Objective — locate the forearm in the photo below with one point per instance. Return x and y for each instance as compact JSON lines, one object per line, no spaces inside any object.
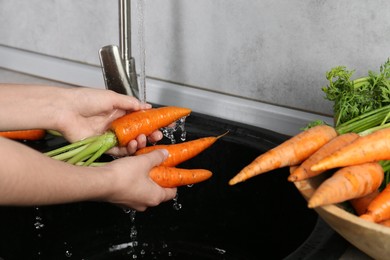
{"x":31,"y":106}
{"x":28,"y":177}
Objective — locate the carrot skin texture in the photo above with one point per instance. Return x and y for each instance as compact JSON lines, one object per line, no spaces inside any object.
{"x":369,"y":148}
{"x":291,"y":152}
{"x":360,"y":205}
{"x":385,"y":223}
{"x":31,"y":134}
{"x":181,"y":152}
{"x":348,"y":183}
{"x":170,"y":177}
{"x":304,"y":170}
{"x":128,"y":127}
{"x":379,"y":208}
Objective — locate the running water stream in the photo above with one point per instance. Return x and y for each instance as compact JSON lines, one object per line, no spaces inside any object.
{"x":141,"y":48}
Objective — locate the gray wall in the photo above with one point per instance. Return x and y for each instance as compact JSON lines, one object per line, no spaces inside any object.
{"x":271,"y":51}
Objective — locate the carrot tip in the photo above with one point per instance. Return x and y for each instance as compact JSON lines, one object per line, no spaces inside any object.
{"x":292,"y":178}
{"x":367,"y":217}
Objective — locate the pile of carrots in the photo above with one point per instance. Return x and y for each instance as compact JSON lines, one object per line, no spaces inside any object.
{"x":355,"y":162}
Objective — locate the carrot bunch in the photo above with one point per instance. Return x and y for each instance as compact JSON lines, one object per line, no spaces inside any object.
{"x":124,"y":129}
{"x":356,"y":153}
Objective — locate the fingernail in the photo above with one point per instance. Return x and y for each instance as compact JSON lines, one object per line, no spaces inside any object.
{"x":165,"y":152}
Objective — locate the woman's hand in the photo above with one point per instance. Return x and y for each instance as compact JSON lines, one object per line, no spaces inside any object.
{"x":132,"y":187}
{"x":91,"y":113}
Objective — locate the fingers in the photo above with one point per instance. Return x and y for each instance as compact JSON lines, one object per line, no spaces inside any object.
{"x":129,"y":103}
{"x":157,"y":157}
{"x":155,"y":137}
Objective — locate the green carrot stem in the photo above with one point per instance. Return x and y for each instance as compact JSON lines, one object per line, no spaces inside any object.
{"x":69,"y":154}
{"x":94,"y":164}
{"x":373,"y":129}
{"x":106,"y":140}
{"x":109,"y":142}
{"x":360,"y":81}
{"x":365,"y":121}
{"x":71,"y":146}
{"x":86,"y":157}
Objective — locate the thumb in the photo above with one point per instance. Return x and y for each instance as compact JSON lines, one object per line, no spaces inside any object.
{"x":157,"y":157}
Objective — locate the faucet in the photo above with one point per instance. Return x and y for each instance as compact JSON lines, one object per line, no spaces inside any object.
{"x":118,"y":66}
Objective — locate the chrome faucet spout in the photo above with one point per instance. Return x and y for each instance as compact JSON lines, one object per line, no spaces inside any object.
{"x":118,"y":65}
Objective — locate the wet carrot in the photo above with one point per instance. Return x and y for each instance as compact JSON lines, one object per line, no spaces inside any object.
{"x":30,"y":134}
{"x":169,"y":177}
{"x":369,"y":148}
{"x":348,"y":183}
{"x":360,"y":204}
{"x":304,"y":170}
{"x":385,"y":223}
{"x":181,"y":152}
{"x":291,"y":152}
{"x":122,"y":131}
{"x":128,"y":127}
{"x":379,"y":208}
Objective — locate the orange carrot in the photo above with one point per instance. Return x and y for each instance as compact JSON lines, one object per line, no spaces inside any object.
{"x":181,"y":152}
{"x":128,"y":127}
{"x":304,"y":170}
{"x":385,"y":223}
{"x":348,"y":183}
{"x":369,"y":148}
{"x":169,"y":177}
{"x":30,"y":134}
{"x":360,"y":204}
{"x":291,"y":152}
{"x":122,"y":131}
{"x":379,"y":208}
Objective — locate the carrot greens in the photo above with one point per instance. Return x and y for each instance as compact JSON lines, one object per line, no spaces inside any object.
{"x":355,"y":97}
{"x":361,"y":105}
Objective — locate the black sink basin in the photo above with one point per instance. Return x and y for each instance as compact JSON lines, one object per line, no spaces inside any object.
{"x":262,"y":218}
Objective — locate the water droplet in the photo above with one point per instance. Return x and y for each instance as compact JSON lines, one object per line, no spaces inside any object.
{"x":220,"y":251}
{"x":177,"y":206}
{"x":68,"y":253}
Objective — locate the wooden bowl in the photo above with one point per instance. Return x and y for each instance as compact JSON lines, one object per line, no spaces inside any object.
{"x":371,"y":238}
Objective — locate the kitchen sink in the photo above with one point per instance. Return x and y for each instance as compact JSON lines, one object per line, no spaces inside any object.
{"x":262,"y":218}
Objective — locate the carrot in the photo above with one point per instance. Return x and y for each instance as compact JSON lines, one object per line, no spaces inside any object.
{"x":128,"y":127}
{"x":122,"y":131}
{"x":348,"y":183}
{"x":30,"y":134}
{"x":379,"y":208}
{"x":385,"y":223}
{"x":181,"y":152}
{"x":369,"y":148}
{"x":291,"y":152}
{"x":169,"y":177}
{"x":360,"y":204}
{"x":304,"y":170}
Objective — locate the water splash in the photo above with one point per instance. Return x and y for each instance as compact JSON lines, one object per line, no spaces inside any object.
{"x":220,"y":251}
{"x":171,"y":131}
{"x":176,"y":205}
{"x":133,"y":244}
{"x":39,"y":226}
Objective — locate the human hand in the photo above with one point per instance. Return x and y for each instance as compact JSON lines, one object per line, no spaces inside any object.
{"x":131,"y":185}
{"x":91,"y":111}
